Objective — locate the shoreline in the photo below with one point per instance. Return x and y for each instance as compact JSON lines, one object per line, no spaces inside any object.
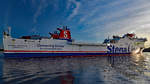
{"x":1,"y":50}
{"x":146,"y":50}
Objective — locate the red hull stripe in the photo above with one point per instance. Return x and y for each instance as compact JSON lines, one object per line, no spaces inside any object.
{"x":47,"y":51}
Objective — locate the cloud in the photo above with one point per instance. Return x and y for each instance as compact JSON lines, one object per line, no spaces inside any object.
{"x":34,"y":30}
{"x":43,"y":4}
{"x":24,"y":1}
{"x":39,"y":5}
{"x":96,"y":7}
{"x":103,"y":18}
{"x":125,"y":18}
{"x":75,"y":10}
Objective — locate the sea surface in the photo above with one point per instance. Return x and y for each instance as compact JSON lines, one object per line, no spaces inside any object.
{"x":89,"y":70}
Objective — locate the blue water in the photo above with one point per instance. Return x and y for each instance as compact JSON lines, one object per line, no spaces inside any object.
{"x":89,"y":70}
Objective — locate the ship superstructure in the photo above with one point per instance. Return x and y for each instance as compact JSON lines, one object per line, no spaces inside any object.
{"x":61,"y":44}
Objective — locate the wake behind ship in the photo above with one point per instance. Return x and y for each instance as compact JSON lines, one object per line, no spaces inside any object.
{"x":61,"y":45}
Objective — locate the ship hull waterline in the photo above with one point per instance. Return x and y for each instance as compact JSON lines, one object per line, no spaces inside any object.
{"x":53,"y":55}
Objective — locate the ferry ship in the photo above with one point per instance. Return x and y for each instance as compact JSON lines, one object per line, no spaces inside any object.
{"x":62,"y":45}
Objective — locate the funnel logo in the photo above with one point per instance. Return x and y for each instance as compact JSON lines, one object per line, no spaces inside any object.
{"x":114,"y":49}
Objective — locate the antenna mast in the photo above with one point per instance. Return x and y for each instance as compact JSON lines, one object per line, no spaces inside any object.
{"x":9,"y":30}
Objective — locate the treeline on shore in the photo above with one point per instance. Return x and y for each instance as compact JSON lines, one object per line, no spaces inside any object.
{"x":146,"y":50}
{"x":1,"y":49}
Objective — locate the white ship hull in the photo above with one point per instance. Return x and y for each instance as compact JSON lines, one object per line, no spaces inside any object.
{"x":14,"y":47}
{"x":61,"y":45}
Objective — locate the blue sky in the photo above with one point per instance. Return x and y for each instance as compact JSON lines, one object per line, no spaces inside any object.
{"x":89,"y":20}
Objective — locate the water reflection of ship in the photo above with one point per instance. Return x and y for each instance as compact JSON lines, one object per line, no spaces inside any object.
{"x":30,"y":69}
{"x":69,"y":70}
{"x":129,"y":66}
{"x":48,"y":70}
{"x":67,"y":79}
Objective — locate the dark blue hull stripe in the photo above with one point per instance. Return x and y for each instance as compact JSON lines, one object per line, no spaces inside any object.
{"x":16,"y":55}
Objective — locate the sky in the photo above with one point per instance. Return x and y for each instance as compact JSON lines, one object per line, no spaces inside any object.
{"x":88,"y":20}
